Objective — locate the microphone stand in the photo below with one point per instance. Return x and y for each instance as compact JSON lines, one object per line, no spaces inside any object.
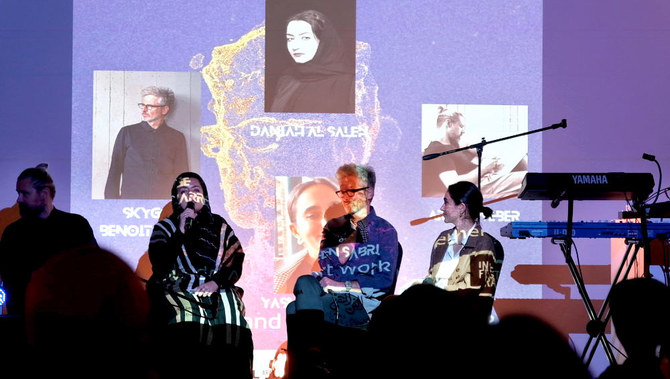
{"x":480,"y":147}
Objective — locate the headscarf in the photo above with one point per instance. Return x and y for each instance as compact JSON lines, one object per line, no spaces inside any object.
{"x":176,"y":207}
{"x":203,"y":237}
{"x":330,"y":58}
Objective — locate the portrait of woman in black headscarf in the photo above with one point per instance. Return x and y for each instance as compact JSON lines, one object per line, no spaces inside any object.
{"x":320,"y":77}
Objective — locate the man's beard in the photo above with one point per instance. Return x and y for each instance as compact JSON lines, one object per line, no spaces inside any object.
{"x":30,"y":212}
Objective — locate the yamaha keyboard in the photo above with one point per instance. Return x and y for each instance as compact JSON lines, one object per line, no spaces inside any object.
{"x":587,"y":186}
{"x":584,"y":229}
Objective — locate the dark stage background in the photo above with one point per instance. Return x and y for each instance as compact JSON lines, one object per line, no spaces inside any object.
{"x":602,"y":67}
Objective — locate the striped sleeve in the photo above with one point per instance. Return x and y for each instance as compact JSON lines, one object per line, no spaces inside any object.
{"x":230,"y":259}
{"x":164,"y":246}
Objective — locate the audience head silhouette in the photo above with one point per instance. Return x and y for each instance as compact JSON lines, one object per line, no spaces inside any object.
{"x":86,"y":313}
{"x":524,"y":346}
{"x":640,"y":309}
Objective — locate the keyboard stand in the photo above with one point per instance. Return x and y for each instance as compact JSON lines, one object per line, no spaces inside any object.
{"x":615,"y":186}
{"x":595,"y":327}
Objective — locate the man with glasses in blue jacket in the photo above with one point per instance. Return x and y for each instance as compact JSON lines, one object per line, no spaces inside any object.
{"x":359,"y":256}
{"x":359,"y":259}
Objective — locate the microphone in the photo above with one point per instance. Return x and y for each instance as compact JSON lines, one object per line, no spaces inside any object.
{"x":189,"y":221}
{"x":652,"y":158}
{"x":648,"y":157}
{"x":562,"y":124}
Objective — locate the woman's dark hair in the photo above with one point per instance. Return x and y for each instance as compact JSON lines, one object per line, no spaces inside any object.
{"x":315,"y":19}
{"x":468,"y":194}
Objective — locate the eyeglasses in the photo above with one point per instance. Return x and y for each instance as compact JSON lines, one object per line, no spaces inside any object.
{"x":150,"y":107}
{"x":350,"y":192}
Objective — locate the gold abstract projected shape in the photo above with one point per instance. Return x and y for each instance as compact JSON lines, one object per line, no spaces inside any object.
{"x":251,"y":147}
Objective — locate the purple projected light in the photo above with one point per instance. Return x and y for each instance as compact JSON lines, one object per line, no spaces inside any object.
{"x":477,"y":56}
